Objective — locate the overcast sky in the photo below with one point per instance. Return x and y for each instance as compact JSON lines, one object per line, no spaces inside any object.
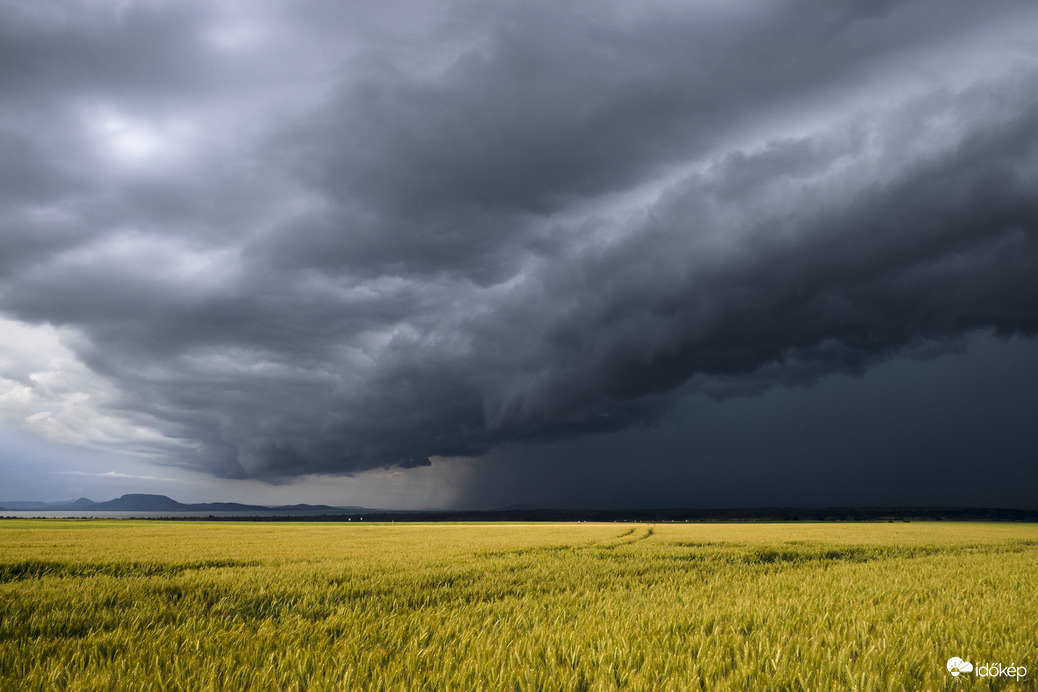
{"x":489,"y":253}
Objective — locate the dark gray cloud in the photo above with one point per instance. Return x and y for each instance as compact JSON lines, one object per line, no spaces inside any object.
{"x":928,"y":429}
{"x":302,"y":238}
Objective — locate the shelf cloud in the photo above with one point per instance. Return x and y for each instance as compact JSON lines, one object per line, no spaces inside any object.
{"x":281,"y":239}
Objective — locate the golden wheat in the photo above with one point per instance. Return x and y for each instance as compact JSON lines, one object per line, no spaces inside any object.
{"x":91,"y":605}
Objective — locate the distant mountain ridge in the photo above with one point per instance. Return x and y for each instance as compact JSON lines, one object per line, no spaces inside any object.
{"x":142,"y":502}
{"x":234,"y":511}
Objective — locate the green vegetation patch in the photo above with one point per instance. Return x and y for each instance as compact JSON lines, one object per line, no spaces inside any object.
{"x":36,"y":569}
{"x":828,"y":554}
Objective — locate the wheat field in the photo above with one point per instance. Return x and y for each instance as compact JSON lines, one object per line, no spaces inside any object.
{"x":146,"y":605}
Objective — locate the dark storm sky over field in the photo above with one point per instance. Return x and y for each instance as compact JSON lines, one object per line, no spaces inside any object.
{"x":481,"y":254}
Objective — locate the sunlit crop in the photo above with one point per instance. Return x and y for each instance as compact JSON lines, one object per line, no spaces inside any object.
{"x":90,"y":605}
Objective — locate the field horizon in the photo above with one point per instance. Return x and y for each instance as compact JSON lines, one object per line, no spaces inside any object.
{"x":154,"y":505}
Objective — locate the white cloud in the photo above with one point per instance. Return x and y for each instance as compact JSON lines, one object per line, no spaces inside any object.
{"x":125,"y":476}
{"x":45,"y":390}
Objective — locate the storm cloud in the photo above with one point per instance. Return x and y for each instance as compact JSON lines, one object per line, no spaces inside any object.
{"x":285,"y":238}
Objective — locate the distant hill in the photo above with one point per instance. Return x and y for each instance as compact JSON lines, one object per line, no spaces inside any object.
{"x":234,"y":511}
{"x":21,"y":506}
{"x":141,"y":502}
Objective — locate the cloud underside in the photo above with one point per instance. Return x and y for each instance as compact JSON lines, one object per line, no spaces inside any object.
{"x":427,"y":234}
